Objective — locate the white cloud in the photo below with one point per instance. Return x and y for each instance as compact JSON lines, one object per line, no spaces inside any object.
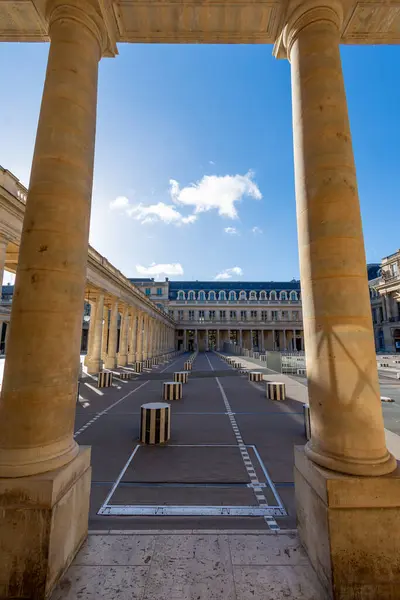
{"x":228,"y":273}
{"x":120,"y":202}
{"x":160,"y":269}
{"x":213,"y":192}
{"x":211,"y":162}
{"x":231,"y":230}
{"x":256,"y":230}
{"x":152,"y":212}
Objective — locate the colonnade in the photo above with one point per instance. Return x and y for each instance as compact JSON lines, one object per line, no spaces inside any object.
{"x":283,"y":340}
{"x":140,"y":335}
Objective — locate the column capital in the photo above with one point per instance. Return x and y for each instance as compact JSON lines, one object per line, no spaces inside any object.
{"x":303,"y":15}
{"x":85,"y":13}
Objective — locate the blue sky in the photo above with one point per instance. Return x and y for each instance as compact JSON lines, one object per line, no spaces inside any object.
{"x":216,"y":122}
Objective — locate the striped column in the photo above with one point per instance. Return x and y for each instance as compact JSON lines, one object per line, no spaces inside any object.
{"x":187,"y":366}
{"x":138,"y":367}
{"x":255,"y":376}
{"x":182,"y":376}
{"x":155,"y":423}
{"x":124,"y":375}
{"x":172,"y":390}
{"x":276,"y":390}
{"x":104,"y":379}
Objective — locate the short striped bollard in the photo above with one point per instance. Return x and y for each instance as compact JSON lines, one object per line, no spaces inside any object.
{"x":276,"y":390}
{"x":155,"y":423}
{"x":255,"y":376}
{"x":181,"y":376}
{"x":104,"y":379}
{"x":187,"y":366}
{"x":172,"y":390}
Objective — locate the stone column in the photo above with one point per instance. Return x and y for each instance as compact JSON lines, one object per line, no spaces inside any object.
{"x":206,"y":344}
{"x":139,"y":342}
{"x":241,"y":338}
{"x":95,"y":363}
{"x":133,"y":337}
{"x":196,"y":340}
{"x":122,"y":356}
{"x":104,"y":341}
{"x":145,"y":339}
{"x":90,"y":332}
{"x":111,"y":358}
{"x":218,"y":347}
{"x":3,"y":249}
{"x":347,"y":426}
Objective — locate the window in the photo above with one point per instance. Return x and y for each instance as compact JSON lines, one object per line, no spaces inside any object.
{"x":253,"y":314}
{"x":264,"y":315}
{"x":285,"y":315}
{"x":148,"y":291}
{"x":374,"y":315}
{"x":201,"y":315}
{"x":242,"y":295}
{"x":293,"y":296}
{"x":232,"y":315}
{"x":211,"y":296}
{"x":253,"y":295}
{"x":243,"y":315}
{"x":380,"y":314}
{"x":159,"y":291}
{"x":191,"y":295}
{"x":295,"y":315}
{"x":212,"y":315}
{"x":263,"y":295}
{"x":180,"y":315}
{"x":191,"y":315}
{"x":222,"y":295}
{"x":222,"y":315}
{"x":272,"y":295}
{"x":232,"y":296}
{"x":181,"y":295}
{"x":274,"y":315}
{"x":283,"y":296}
{"x":202,"y":296}
{"x":171,"y":313}
{"x":395,"y":269}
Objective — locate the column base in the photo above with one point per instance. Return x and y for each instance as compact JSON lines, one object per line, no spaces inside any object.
{"x":122,"y":360}
{"x":94,"y":366}
{"x":44,"y":521}
{"x":131,"y":359}
{"x":371,"y":468}
{"x":350,"y":528}
{"x":110,"y":362}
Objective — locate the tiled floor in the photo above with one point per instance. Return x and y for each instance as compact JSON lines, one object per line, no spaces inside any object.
{"x":218,"y":565}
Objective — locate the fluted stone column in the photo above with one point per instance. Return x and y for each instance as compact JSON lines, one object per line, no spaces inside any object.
{"x":145,"y":336}
{"x":122,"y":356}
{"x":347,"y":425}
{"x":95,"y":363}
{"x":90,"y":332}
{"x":133,"y":337}
{"x":217,"y":341}
{"x":139,"y":337}
{"x":111,"y":358}
{"x":3,"y":249}
{"x":104,"y":341}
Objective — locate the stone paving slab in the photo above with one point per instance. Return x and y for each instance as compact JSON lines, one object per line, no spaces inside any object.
{"x":194,"y":566}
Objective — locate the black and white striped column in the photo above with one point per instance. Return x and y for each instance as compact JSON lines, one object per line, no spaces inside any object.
{"x":276,"y":390}
{"x":104,"y":379}
{"x":255,"y":376}
{"x":187,"y":366}
{"x":124,"y":375}
{"x":172,"y":390}
{"x":155,"y":423}
{"x":138,"y":367}
{"x":181,"y":376}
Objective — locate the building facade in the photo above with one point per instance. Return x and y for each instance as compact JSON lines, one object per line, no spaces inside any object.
{"x":385,"y":304}
{"x":254,"y":315}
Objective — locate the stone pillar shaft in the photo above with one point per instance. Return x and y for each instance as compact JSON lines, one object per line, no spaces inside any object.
{"x":132,"y":337}
{"x":95,"y":363}
{"x":104,"y":342}
{"x":123,"y":338}
{"x":39,"y":390}
{"x":347,"y":425}
{"x":111,"y":358}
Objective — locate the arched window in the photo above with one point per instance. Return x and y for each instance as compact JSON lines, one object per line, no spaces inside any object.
{"x":222,"y":295}
{"x":293,"y":296}
{"x":232,"y":295}
{"x":202,"y":296}
{"x":191,"y":295}
{"x":263,"y":295}
{"x":283,"y":296}
{"x":272,"y":295}
{"x":242,"y":295}
{"x":211,"y":295}
{"x":253,"y":295}
{"x":181,"y":295}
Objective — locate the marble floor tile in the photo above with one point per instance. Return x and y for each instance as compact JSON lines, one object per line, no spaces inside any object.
{"x":102,"y":583}
{"x":267,"y":550}
{"x":116,"y":550}
{"x":277,"y":583}
{"x":200,"y":548}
